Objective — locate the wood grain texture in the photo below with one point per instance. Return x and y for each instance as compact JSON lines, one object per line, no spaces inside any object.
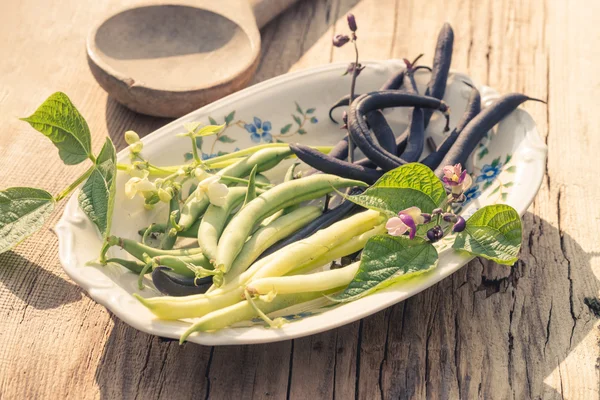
{"x":485,"y":332}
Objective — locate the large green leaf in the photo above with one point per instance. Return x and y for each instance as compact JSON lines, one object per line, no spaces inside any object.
{"x":22,"y":212}
{"x":96,"y":197}
{"x":58,"y":119}
{"x":493,"y":232}
{"x":406,"y":186}
{"x":387,"y":259}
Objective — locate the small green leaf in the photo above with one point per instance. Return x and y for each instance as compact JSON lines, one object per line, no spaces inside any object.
{"x":301,"y":132}
{"x":199,"y":141}
{"x":226,"y":139}
{"x":508,"y":158}
{"x":191,"y":127}
{"x":483,"y":153}
{"x":487,"y":184}
{"x":285,"y":129}
{"x":508,"y":184}
{"x":495,"y":161}
{"x":188,"y":156}
{"x":493,"y":232}
{"x":209,"y":130}
{"x":229,"y":117}
{"x":279,"y":141}
{"x":298,"y":108}
{"x":512,"y":168}
{"x":495,"y":190}
{"x":504,"y":196}
{"x":386,"y":260}
{"x":58,"y":119}
{"x":96,"y":197}
{"x":409,"y":185}
{"x":297,"y":119}
{"x":23,"y":211}
{"x":310,"y":110}
{"x":251,"y":193}
{"x":221,"y":153}
{"x":212,"y":121}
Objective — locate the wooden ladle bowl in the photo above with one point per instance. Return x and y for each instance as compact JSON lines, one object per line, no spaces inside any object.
{"x":169,"y":59}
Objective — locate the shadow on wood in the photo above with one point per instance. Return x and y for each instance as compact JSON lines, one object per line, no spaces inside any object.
{"x":512,"y":326}
{"x":34,"y":285}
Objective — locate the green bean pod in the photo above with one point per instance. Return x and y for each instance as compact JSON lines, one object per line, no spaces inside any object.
{"x":191,"y":232}
{"x":134,"y":266}
{"x":179,"y":264}
{"x":353,"y":245}
{"x":170,"y":233}
{"x":289,"y":175}
{"x":214,"y":221}
{"x":268,"y":235}
{"x":318,"y":244}
{"x":264,"y":159}
{"x":276,"y":264}
{"x":138,"y":250}
{"x":243,"y":311}
{"x":317,"y":282}
{"x":281,"y":196}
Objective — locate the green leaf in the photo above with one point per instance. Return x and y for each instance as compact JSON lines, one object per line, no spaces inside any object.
{"x":199,"y":141}
{"x":409,"y":185}
{"x":58,"y":119}
{"x":508,"y":184}
{"x":297,"y":119}
{"x":23,"y":211}
{"x":97,"y":195}
{"x":487,"y":184}
{"x":495,"y":190}
{"x":212,"y":121}
{"x":310,"y":110}
{"x":209,"y":130}
{"x":495,"y":161}
{"x":188,"y":156}
{"x":504,"y":196}
{"x":298,"y":108}
{"x":226,"y":139}
{"x":285,"y":129}
{"x":301,"y":132}
{"x":279,"y":141}
{"x":191,"y":127}
{"x":386,"y":260}
{"x":229,"y":117}
{"x":508,"y":158}
{"x":251,"y":193}
{"x":493,"y":232}
{"x":483,"y":153}
{"x":511,"y":168}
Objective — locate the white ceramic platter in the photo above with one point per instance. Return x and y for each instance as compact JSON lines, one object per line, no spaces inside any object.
{"x":508,"y":167}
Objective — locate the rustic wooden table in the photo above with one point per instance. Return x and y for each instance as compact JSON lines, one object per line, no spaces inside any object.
{"x":487,"y":331}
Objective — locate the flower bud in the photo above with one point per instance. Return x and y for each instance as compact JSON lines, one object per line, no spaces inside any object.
{"x":435,"y":234}
{"x":351,"y":22}
{"x":449,"y":217}
{"x":340,"y":40}
{"x":136,"y":147}
{"x":460,"y":224}
{"x":426,"y":218}
{"x":437,"y":211}
{"x":164,"y":195}
{"x":131,"y":137}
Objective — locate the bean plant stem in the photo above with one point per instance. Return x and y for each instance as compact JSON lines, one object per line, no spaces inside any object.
{"x":75,"y":184}
{"x":355,"y":73}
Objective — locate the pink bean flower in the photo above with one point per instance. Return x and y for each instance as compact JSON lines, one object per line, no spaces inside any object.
{"x":457,"y":179}
{"x":407,"y":220}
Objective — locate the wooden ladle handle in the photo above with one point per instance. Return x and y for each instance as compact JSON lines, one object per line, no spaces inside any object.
{"x":266,"y":10}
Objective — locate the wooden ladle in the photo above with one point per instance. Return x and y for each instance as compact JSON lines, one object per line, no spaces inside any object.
{"x":169,"y":59}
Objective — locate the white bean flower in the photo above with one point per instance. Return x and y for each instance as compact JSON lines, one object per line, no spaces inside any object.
{"x":137,"y":185}
{"x":216,"y":191}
